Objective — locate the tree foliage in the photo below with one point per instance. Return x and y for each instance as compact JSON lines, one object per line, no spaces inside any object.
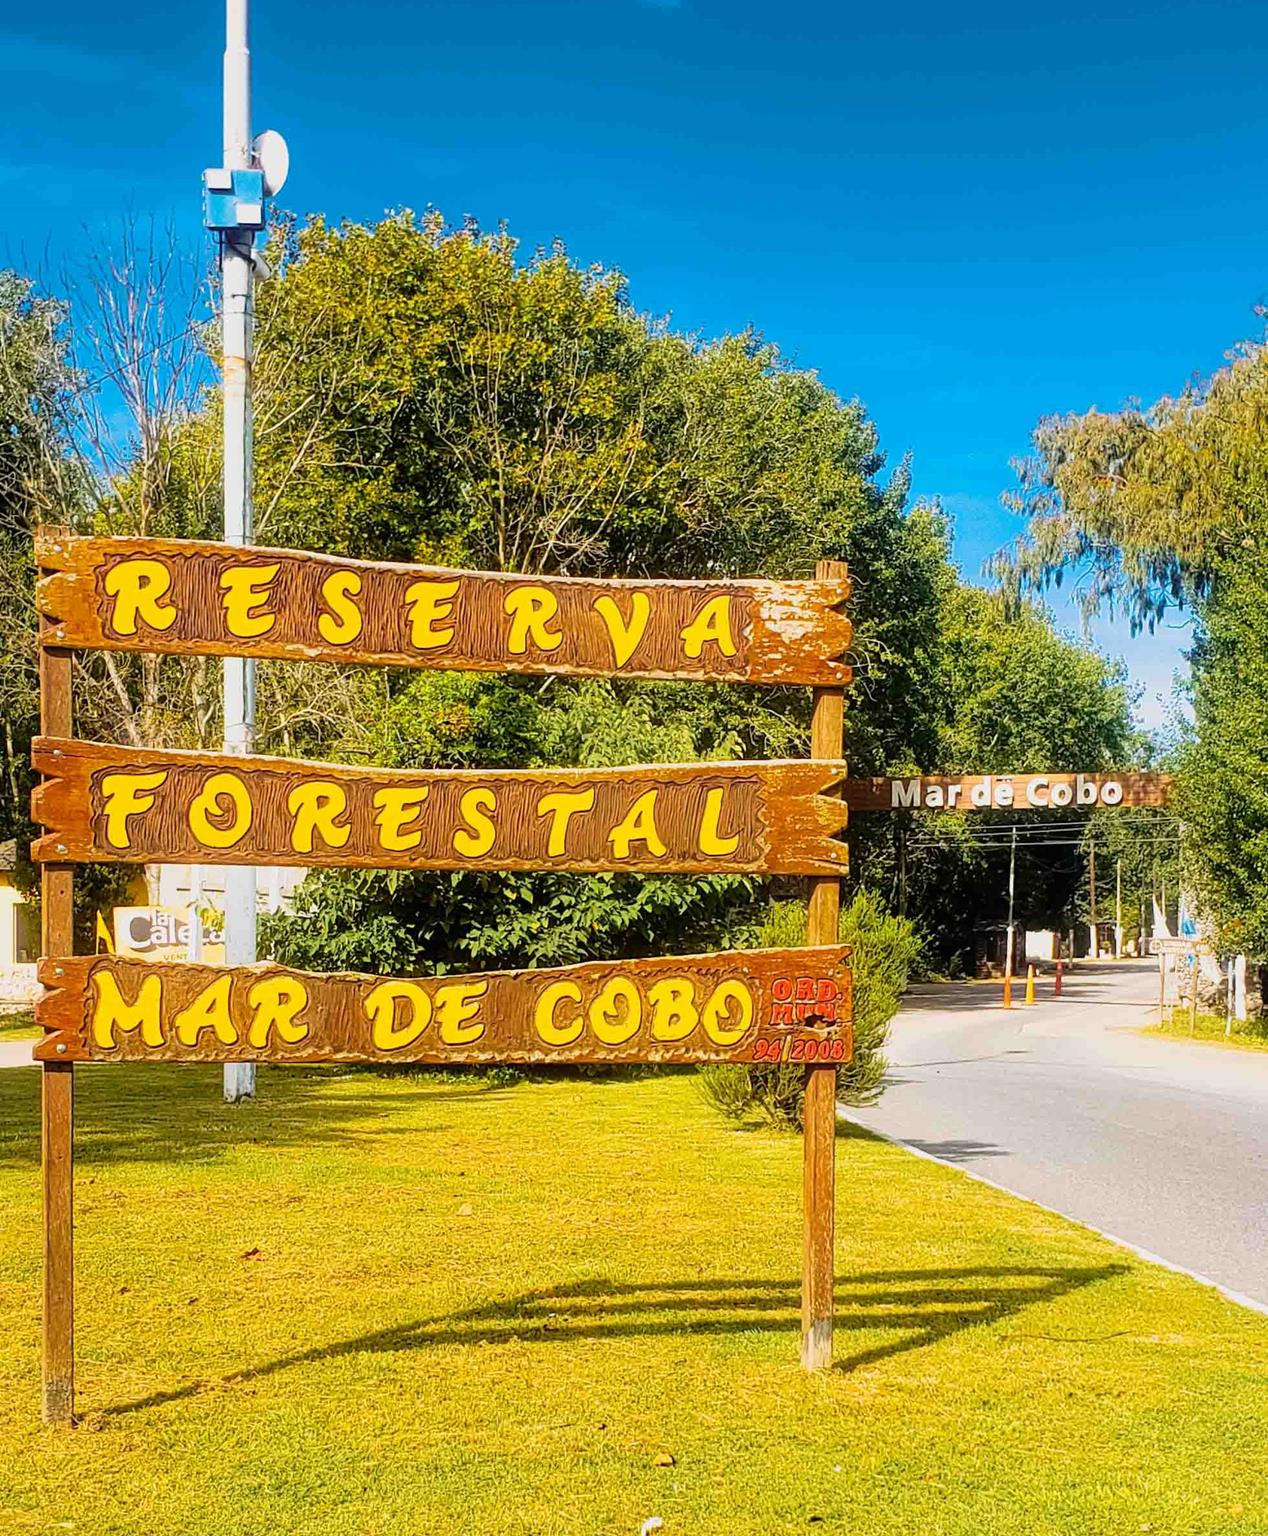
{"x":434,"y":396}
{"x":1145,"y":505}
{"x":431,"y":393}
{"x":884,"y":951}
{"x":1223,"y":798}
{"x":1020,"y":698}
{"x":1016,"y":697}
{"x":1168,"y":507}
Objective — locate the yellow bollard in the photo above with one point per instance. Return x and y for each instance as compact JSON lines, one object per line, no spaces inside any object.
{"x":1030,"y":984}
{"x":1008,"y":991}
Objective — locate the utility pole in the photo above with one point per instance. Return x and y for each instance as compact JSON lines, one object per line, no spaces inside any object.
{"x":1096,"y":943}
{"x":1118,"y":909}
{"x":234,"y":206}
{"x":1010,"y":943}
{"x":238,"y":317}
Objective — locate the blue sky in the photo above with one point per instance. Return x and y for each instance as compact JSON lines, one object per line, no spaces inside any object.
{"x":967,"y":216}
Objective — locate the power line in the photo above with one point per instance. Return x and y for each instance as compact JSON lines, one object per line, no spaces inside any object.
{"x":143,"y":357}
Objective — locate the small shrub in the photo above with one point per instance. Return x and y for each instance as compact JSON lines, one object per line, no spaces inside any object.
{"x":884,"y":951}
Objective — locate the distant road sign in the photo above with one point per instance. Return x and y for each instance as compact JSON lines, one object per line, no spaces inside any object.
{"x":1007,"y":791}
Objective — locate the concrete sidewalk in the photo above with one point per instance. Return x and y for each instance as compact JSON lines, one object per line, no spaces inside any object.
{"x":16,"y":1053}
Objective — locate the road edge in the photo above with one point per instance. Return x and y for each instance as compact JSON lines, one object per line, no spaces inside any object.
{"x":1238,"y":1298}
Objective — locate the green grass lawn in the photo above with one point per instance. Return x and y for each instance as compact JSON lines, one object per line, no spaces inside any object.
{"x":377,"y":1304}
{"x":18,"y":1025}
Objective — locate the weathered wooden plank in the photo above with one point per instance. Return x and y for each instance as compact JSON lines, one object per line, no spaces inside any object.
{"x":819,"y":1108}
{"x":184,"y":597}
{"x":758,"y":1005}
{"x":1008,"y":791}
{"x":57,"y":1099}
{"x":125,"y":805}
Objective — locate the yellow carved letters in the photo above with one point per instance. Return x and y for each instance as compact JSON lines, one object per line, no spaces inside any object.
{"x":124,"y":795}
{"x":561,"y":807}
{"x":380,"y":1009}
{"x":546,"y":1014}
{"x":639,"y":826}
{"x":479,"y":839}
{"x":111,"y":1013}
{"x":138,"y":587}
{"x":245,"y":592}
{"x":711,"y":624}
{"x":274,"y":1002}
{"x":457,"y":1004}
{"x":624,"y":636}
{"x":316,"y":806}
{"x":674,"y":1012}
{"x":602,"y":1011}
{"x":396,"y":809}
{"x":728,"y":1013}
{"x":616,"y":1012}
{"x":430,"y":603}
{"x":711,"y":840}
{"x":224,"y":796}
{"x":342,"y":624}
{"x":531,"y":609}
{"x":209,"y":1010}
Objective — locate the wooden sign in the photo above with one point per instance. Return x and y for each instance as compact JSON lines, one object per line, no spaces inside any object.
{"x":764,"y":1005}
{"x":187,"y":598}
{"x":123,"y":805}
{"x":1009,"y":791}
{"x":137,"y":806}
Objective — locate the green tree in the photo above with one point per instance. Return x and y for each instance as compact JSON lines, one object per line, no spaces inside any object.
{"x":1223,"y":781}
{"x":1014,"y":697}
{"x":1020,"y":698}
{"x":1167,"y":508}
{"x":432,"y":396}
{"x":883,"y":952}
{"x":36,"y":379}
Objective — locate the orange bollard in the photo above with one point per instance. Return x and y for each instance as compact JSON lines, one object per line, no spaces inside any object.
{"x":1056,"y":986}
{"x":1030,"y":984}
{"x":1008,"y":991}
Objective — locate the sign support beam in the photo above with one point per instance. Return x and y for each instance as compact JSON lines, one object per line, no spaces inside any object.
{"x":819,"y":1115}
{"x":57,"y":1100}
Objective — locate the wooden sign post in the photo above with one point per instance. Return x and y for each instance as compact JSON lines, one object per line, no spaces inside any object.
{"x":819,"y":1124}
{"x":57,"y":1095}
{"x":98,"y":802}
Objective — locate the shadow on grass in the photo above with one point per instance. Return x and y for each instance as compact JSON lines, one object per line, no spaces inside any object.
{"x":158,"y":1114}
{"x":882,"y":1314}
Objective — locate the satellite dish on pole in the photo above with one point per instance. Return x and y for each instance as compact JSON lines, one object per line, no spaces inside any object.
{"x":269,"y":151}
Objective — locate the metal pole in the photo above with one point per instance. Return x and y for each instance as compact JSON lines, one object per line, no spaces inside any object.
{"x":1012,"y":889}
{"x":1095,"y":950}
{"x":239,"y":674}
{"x":1118,"y":909}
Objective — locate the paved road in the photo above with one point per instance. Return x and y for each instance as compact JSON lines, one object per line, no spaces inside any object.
{"x":1157,"y":1141}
